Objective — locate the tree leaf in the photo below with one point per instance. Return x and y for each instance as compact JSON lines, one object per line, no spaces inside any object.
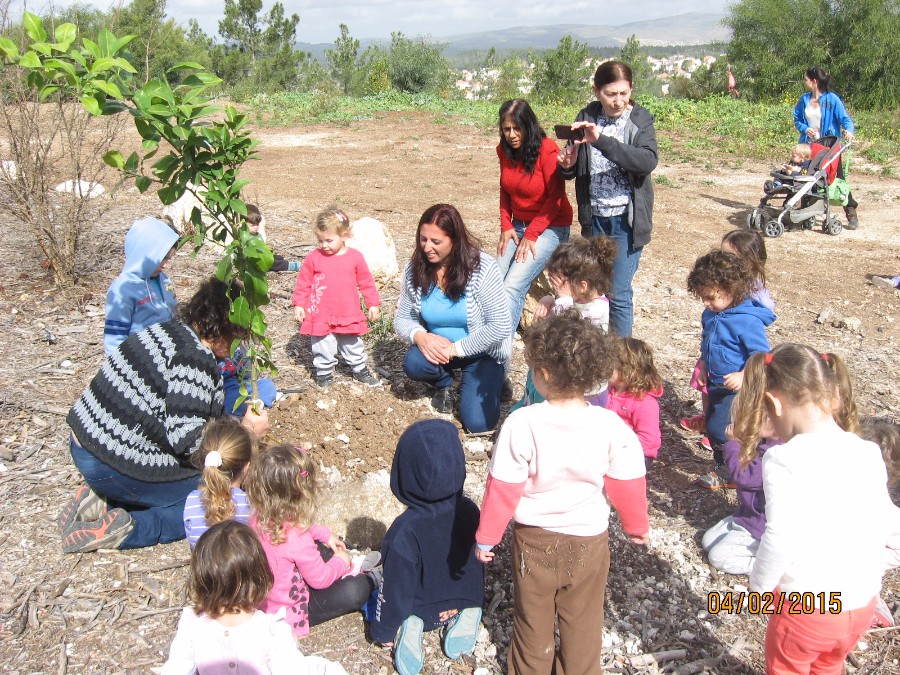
{"x":185,"y":65}
{"x":107,"y":88}
{"x":91,"y":47}
{"x":34,"y":27}
{"x":131,"y":164}
{"x":8,"y":47}
{"x":48,"y":91}
{"x":30,"y":60}
{"x":65,"y":34}
{"x":240,"y":312}
{"x":258,"y":323}
{"x":114,"y":159}
{"x":142,"y":183}
{"x":91,"y":105}
{"x":224,"y":270}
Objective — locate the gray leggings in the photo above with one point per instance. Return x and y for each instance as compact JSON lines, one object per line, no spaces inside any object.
{"x":325,"y":349}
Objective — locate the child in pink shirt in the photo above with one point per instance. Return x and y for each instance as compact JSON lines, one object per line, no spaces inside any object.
{"x":634,"y":391}
{"x":556,"y":467}
{"x":326,"y":301}
{"x":312,"y":569}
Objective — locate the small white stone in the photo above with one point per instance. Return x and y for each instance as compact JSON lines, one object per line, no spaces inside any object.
{"x":66,"y":364}
{"x":343,"y":438}
{"x":322,"y":405}
{"x":475,"y":447}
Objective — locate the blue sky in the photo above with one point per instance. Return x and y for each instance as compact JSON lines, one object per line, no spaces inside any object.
{"x":319,"y":19}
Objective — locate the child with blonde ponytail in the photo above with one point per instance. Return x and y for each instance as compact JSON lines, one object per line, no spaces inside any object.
{"x":223,"y":457}
{"x":828,"y":513}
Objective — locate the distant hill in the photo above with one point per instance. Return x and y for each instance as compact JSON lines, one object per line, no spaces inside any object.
{"x":683,"y":29}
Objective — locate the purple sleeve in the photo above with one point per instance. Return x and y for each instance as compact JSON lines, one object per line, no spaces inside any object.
{"x":747,"y":479}
{"x":761,"y":294}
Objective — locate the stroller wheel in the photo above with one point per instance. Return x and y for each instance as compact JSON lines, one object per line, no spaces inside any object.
{"x":773,"y":229}
{"x":755,"y":220}
{"x":832,"y":225}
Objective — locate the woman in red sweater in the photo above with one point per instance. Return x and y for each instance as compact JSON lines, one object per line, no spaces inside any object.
{"x":535,"y":214}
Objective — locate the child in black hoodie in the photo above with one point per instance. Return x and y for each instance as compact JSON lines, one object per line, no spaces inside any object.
{"x":431,"y":575}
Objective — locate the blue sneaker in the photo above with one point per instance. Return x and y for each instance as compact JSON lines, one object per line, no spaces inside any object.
{"x":408,"y":655}
{"x":462,"y":633}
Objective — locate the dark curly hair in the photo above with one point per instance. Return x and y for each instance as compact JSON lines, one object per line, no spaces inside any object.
{"x":208,"y":310}
{"x":589,"y":260}
{"x":532,"y":134}
{"x":465,"y":257}
{"x":749,"y":245}
{"x":573,"y":354}
{"x":724,"y":272}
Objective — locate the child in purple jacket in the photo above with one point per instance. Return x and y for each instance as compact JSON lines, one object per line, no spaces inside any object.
{"x":732,"y":542}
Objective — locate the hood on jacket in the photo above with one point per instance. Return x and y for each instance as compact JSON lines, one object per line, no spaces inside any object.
{"x":753,"y":307}
{"x":429,"y":464}
{"x":147,"y":244}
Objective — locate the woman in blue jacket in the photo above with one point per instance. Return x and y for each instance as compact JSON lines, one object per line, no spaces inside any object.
{"x":821,"y":112}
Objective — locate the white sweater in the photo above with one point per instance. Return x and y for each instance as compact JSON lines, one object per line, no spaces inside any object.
{"x":828,"y":518}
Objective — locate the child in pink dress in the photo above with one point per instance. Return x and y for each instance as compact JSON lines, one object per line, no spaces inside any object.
{"x":326,"y":300}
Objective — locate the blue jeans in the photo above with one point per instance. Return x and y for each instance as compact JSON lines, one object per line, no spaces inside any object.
{"x":621,"y":304}
{"x":718,"y":417}
{"x":157,"y":509}
{"x":479,"y":392}
{"x":518,"y":276}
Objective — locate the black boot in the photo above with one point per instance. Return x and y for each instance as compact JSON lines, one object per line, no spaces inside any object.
{"x":852,"y":220}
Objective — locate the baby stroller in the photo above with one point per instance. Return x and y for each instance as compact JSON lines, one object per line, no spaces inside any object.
{"x":803,"y":198}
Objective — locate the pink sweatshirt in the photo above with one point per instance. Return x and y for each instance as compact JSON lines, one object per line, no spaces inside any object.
{"x":297,"y":566}
{"x":641,"y":414}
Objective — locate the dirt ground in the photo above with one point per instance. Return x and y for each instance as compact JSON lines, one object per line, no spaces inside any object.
{"x":116,"y":612}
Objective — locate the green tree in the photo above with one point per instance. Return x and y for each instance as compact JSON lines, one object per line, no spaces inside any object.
{"x":343,"y":60}
{"x":491,"y":60}
{"x":561,"y":75}
{"x":640,"y":68}
{"x":703,"y":82}
{"x":506,"y":86}
{"x":374,"y":71}
{"x":417,"y":65}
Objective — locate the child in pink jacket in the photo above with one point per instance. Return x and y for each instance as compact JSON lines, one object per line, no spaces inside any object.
{"x":634,"y":390}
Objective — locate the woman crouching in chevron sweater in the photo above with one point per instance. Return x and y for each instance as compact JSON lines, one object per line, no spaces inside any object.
{"x":140,"y":419}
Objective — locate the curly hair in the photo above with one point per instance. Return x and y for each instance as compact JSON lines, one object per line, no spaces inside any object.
{"x":208,"y":310}
{"x":333,"y":219}
{"x":574,"y":355}
{"x":521,"y":114}
{"x":283,"y":488}
{"x":235,"y":446}
{"x":721,"y":271}
{"x":886,"y":435}
{"x":465,"y":256}
{"x":749,"y":245}
{"x":229,"y":571}
{"x":590,"y":260}
{"x":636,"y":372}
{"x":801,"y":375}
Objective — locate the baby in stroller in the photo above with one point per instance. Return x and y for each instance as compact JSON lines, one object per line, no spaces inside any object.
{"x":802,"y":188}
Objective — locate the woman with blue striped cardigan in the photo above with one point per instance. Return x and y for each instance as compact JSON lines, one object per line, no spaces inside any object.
{"x":454,"y":311}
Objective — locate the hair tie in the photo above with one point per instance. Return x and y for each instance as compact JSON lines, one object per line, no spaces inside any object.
{"x":342,"y":216}
{"x":301,"y":449}
{"x":213,"y":459}
{"x":768,"y":358}
{"x":825,"y":358}
{"x":304,"y":474}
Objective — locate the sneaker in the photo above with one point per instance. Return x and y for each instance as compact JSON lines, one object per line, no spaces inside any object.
{"x":705,"y":444}
{"x":695,"y":424}
{"x":325,"y":380}
{"x":408,"y":655}
{"x":462,"y":633}
{"x":717,"y":479}
{"x":883,"y":617}
{"x":109,"y":531}
{"x":366,"y":378}
{"x":86,"y":505}
{"x":442,"y":401}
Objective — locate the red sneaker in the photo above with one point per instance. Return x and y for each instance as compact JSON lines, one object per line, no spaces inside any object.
{"x":109,"y":531}
{"x":695,"y":424}
{"x":704,"y":442}
{"x":85,"y":506}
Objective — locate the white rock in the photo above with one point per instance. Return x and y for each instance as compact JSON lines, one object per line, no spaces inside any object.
{"x":372,"y":238}
{"x":475,"y":447}
{"x":66,"y":364}
{"x":344,"y":438}
{"x":380,"y":478}
{"x":322,"y":405}
{"x":82,"y":188}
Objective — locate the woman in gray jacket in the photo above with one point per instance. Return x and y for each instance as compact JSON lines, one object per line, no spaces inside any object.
{"x":611,"y":166}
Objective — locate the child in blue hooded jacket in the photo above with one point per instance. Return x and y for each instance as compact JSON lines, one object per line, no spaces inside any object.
{"x":431,"y":575}
{"x":142,"y":295}
{"x":734,"y":327}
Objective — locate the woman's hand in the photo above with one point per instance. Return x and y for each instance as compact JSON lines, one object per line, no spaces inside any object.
{"x":299,"y":314}
{"x":374,"y":313}
{"x":849,"y":135}
{"x":257,"y":423}
{"x":591,"y":132}
{"x":812,"y":134}
{"x":505,"y":236}
{"x":484,"y":556}
{"x":567,"y":156}
{"x":435,"y":348}
{"x":526,"y":246}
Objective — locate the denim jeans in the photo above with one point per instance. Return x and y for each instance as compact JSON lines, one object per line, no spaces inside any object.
{"x":479,"y":392}
{"x":621,"y":304}
{"x":518,"y":276}
{"x":157,"y":509}
{"x":718,"y":417}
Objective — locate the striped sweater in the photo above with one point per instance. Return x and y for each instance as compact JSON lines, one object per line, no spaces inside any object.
{"x":487,"y":312}
{"x":143,"y":413}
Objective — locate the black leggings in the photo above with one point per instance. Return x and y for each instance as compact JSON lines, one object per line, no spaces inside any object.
{"x":342,"y":597}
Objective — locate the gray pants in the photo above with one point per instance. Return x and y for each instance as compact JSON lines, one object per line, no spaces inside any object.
{"x":325,"y":349}
{"x":731,"y":548}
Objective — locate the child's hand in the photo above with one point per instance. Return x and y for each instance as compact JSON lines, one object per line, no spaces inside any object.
{"x":343,"y":555}
{"x":299,"y":314}
{"x":374,"y":313}
{"x":729,"y":432}
{"x":702,"y":376}
{"x":734,"y":381}
{"x":484,"y":556}
{"x":336,"y":544}
{"x":640,"y":540}
{"x":543,"y":307}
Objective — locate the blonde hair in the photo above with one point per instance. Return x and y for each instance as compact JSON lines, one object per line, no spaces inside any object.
{"x":637,"y":374}
{"x":283,"y":488}
{"x":799,"y":374}
{"x":233,"y":447}
{"x":802,"y":150}
{"x":333,"y":219}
